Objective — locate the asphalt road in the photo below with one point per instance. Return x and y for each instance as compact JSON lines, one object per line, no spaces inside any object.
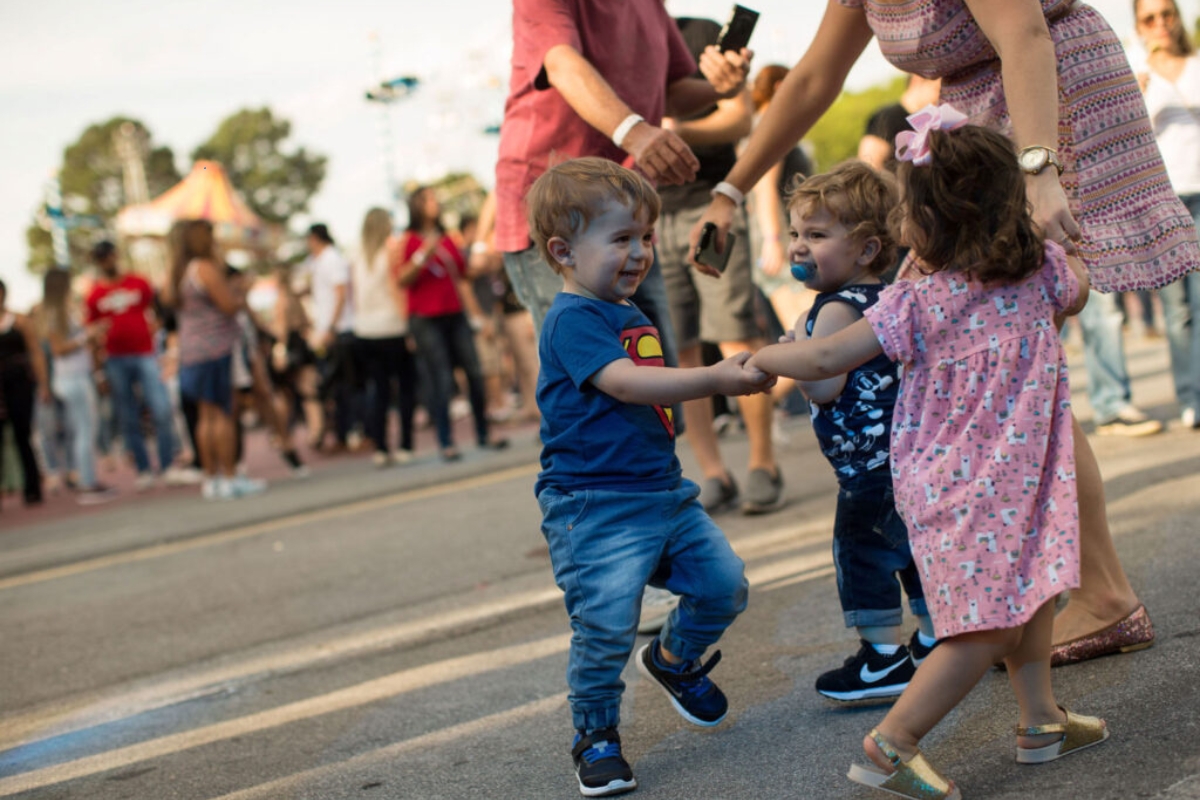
{"x":397,"y":634}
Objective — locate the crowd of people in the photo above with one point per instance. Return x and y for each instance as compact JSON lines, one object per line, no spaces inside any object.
{"x":938,"y":271}
{"x":399,"y":321}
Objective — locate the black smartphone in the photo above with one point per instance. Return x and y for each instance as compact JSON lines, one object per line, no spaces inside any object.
{"x":706,"y":248}
{"x":736,"y":33}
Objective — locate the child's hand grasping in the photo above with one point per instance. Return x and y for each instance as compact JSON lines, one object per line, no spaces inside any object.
{"x":734,"y":376}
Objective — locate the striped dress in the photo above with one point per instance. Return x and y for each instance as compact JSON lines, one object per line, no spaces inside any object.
{"x":206,"y":333}
{"x":1136,"y":233}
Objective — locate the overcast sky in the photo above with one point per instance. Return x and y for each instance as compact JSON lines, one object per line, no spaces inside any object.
{"x":180,"y":67}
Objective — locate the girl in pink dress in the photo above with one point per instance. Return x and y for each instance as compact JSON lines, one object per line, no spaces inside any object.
{"x":982,"y":443}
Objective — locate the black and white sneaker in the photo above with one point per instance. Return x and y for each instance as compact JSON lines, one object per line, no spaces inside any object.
{"x":868,"y":674}
{"x":917,"y":651}
{"x":599,"y":765}
{"x":691,"y":691}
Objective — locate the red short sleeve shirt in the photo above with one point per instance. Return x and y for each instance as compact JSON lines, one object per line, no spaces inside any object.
{"x":435,"y":292}
{"x":123,"y":303}
{"x":633,"y":44}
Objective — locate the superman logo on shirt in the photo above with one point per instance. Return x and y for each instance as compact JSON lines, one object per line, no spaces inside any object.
{"x":642,"y":345}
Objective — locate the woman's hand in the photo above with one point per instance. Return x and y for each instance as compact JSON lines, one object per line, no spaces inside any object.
{"x":727,"y":72}
{"x":1050,"y":209}
{"x":720,"y":213}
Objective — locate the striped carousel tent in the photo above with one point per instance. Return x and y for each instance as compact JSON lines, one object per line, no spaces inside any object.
{"x":205,"y":193}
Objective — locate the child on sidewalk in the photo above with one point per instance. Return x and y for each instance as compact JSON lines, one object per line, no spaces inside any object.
{"x":840,"y":246}
{"x":982,"y":448}
{"x":616,"y":510}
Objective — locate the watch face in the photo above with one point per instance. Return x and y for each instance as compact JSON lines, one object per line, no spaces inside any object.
{"x":1034,"y":159}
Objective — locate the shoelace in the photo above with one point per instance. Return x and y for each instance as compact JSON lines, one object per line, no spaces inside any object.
{"x":694,"y":679}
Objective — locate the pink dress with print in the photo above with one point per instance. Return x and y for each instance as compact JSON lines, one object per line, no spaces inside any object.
{"x":982,"y":447}
{"x":1136,"y":233}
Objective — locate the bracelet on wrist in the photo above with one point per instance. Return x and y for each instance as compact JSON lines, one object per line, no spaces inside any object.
{"x":625,"y":127}
{"x":729,"y":190}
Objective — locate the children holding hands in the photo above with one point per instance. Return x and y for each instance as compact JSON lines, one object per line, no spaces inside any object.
{"x":982,"y":446}
{"x":617,"y":512}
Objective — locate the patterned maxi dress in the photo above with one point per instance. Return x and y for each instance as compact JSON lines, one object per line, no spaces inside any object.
{"x":1136,"y":233}
{"x":982,"y":450}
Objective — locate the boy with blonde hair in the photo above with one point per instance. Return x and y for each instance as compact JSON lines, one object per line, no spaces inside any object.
{"x":616,"y":510}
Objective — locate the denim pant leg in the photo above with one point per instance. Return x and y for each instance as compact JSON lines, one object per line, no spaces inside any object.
{"x":534,"y":283}
{"x":872,"y":555}
{"x":154,"y":394}
{"x":54,"y":440}
{"x":1177,"y":319}
{"x":462,"y":342}
{"x":1104,"y":355}
{"x":122,"y":372}
{"x":434,"y":353}
{"x":604,"y":546}
{"x":700,"y":566}
{"x":79,"y":401}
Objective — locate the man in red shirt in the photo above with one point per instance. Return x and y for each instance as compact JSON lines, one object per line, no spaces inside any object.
{"x":588,"y":82}
{"x":125,"y":303}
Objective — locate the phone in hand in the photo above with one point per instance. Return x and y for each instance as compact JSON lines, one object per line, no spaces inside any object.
{"x":736,"y":33}
{"x":706,"y":249}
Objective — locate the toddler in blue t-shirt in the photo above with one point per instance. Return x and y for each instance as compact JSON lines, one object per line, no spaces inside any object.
{"x":616,"y":510}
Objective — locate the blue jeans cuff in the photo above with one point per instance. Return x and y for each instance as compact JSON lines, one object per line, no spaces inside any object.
{"x":591,"y":719}
{"x":874,"y":617}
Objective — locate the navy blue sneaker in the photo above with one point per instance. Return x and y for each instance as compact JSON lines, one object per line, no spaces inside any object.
{"x":917,"y":650}
{"x":692,"y":692}
{"x":601,"y":769}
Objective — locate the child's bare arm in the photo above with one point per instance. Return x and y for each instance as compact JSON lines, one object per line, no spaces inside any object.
{"x":666,"y":386}
{"x":818,"y":359}
{"x":831,"y":318}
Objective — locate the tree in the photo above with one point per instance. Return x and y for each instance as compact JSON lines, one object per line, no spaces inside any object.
{"x":274,"y":183}
{"x":92,"y":182}
{"x":835,"y":137}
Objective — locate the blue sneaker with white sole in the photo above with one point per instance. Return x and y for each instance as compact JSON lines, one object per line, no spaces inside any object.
{"x":692,"y":692}
{"x":599,"y":765}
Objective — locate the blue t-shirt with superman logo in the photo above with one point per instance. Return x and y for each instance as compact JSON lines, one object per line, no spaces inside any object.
{"x":591,"y":440}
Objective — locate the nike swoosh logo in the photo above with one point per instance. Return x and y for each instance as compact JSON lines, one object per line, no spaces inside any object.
{"x":870,"y":676}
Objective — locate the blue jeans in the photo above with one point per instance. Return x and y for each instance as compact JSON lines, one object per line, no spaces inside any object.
{"x":870,"y":549}
{"x":1181,"y":318}
{"x":1104,"y":356}
{"x":444,"y":342}
{"x":78,"y":396}
{"x":605,"y":547}
{"x":123,"y":372}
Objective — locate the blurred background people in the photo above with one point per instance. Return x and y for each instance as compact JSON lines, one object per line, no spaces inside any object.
{"x":71,"y":383}
{"x":432,"y":269}
{"x":381,"y":332}
{"x":124,"y":303}
{"x":1170,"y":82}
{"x":293,"y":364}
{"x":332,"y":333}
{"x":206,"y":307}
{"x":22,"y":378}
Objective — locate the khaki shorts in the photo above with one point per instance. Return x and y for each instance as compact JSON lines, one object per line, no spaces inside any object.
{"x":704,"y":308}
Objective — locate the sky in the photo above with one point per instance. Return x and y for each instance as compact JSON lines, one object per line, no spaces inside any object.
{"x":181,"y":67}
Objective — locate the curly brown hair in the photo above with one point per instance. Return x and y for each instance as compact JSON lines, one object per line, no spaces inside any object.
{"x":967,"y":211}
{"x":858,"y":197}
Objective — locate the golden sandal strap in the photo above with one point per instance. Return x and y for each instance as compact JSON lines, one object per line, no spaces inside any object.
{"x":915,"y":778}
{"x":1039,"y":730}
{"x":1081,"y":731}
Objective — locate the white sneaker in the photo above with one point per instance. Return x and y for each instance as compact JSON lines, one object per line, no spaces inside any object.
{"x":217,"y":489}
{"x":1188,"y":417}
{"x":401,"y":456}
{"x":241,"y":486}
{"x":657,"y":605}
{"x":145,"y":481}
{"x":182,"y":476}
{"x":1131,"y":422}
{"x":380,"y":459}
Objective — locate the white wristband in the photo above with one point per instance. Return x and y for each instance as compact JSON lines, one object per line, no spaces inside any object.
{"x":730,"y":191}
{"x":625,"y":127}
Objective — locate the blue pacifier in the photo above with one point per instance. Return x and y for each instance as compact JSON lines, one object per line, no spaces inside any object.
{"x":804,"y":271}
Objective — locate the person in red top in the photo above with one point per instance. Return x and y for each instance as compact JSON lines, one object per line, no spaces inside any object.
{"x":125,"y":304}
{"x":588,"y":82}
{"x":431,"y":268}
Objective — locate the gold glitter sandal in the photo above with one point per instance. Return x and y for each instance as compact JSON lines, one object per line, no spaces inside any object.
{"x":1077,"y":732}
{"x":914,"y":779}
